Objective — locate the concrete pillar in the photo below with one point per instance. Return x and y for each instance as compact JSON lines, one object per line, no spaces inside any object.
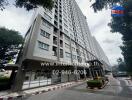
{"x":84,"y":73}
{"x":18,"y":83}
{"x":72,"y":77}
{"x":93,"y":73}
{"x":75,"y":72}
{"x":102,"y":72}
{"x":90,"y":73}
{"x":64,"y":78}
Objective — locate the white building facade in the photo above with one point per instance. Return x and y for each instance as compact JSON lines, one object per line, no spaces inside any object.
{"x":58,"y":36}
{"x":62,"y":35}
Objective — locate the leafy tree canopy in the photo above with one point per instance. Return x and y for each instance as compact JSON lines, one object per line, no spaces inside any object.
{"x":29,"y":4}
{"x":123,"y":25}
{"x":9,"y":40}
{"x":121,"y":65}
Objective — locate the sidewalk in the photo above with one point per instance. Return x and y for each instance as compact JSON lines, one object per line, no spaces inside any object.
{"x":35,"y":91}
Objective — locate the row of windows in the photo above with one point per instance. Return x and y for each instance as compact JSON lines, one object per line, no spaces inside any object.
{"x":65,"y":20}
{"x":65,"y":31}
{"x":68,"y":55}
{"x":66,"y":38}
{"x":45,"y":34}
{"x":67,"y":45}
{"x":43,"y":45}
{"x":47,"y":10}
{"x":47,"y":17}
{"x":46,"y":47}
{"x":65,"y":25}
{"x":74,"y":57}
{"x":45,"y":23}
{"x":73,"y":49}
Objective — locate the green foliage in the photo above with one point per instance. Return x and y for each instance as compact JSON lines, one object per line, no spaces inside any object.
{"x":4,"y":79}
{"x":98,"y":5}
{"x":2,"y":4}
{"x":29,"y":4}
{"x":9,"y":37}
{"x":121,"y":65}
{"x":94,"y":83}
{"x":122,"y":25}
{"x":9,"y":40}
{"x":4,"y":83}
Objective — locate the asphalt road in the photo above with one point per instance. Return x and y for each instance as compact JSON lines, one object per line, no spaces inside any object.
{"x":117,"y":89}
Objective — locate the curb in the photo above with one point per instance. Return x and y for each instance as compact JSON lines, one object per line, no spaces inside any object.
{"x":21,"y":96}
{"x":105,"y":84}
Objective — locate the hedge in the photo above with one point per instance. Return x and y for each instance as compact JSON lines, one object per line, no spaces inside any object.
{"x":4,"y":79}
{"x":95,"y":83}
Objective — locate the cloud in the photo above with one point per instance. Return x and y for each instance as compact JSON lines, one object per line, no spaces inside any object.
{"x":15,"y":18}
{"x":19,"y":19}
{"x":98,"y":24}
{"x":108,"y":41}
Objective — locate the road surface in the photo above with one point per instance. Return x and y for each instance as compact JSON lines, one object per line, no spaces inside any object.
{"x":117,"y":89}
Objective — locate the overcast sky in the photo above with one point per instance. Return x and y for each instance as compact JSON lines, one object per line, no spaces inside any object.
{"x":19,"y":19}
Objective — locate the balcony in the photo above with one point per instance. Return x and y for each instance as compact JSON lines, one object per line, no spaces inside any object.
{"x":61,"y":53}
{"x":54,"y":50}
{"x":79,"y":59}
{"x":56,"y":23}
{"x":54,"y":40}
{"x":55,"y":31}
{"x":61,"y":43}
{"x":60,"y":27}
{"x":61,"y":35}
{"x":56,"y":18}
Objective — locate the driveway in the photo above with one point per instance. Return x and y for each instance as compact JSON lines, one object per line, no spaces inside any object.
{"x":116,"y":89}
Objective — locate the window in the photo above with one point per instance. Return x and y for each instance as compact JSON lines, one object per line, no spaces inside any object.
{"x":45,"y":23}
{"x":43,"y":46}
{"x":47,"y":17}
{"x":71,"y":35}
{"x":67,"y":45}
{"x":65,"y":20}
{"x":68,"y":55}
{"x":45,"y":34}
{"x":65,"y":31}
{"x":61,"y":53}
{"x":72,"y":42}
{"x":47,"y":10}
{"x":73,"y":49}
{"x":65,"y":25}
{"x":66,"y":38}
{"x":74,"y":56}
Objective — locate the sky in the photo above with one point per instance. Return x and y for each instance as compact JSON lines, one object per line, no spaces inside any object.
{"x":18,"y":19}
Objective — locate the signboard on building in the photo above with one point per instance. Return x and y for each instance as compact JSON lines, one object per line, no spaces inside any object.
{"x":117,"y":11}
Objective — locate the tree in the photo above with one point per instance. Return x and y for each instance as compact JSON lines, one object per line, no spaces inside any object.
{"x":2,"y":4}
{"x":29,"y":4}
{"x":9,"y":41}
{"x":123,"y":25}
{"x":121,"y":65}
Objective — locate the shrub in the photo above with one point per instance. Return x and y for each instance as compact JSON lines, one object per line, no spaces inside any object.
{"x":4,"y":83}
{"x":95,"y":83}
{"x":4,"y":80}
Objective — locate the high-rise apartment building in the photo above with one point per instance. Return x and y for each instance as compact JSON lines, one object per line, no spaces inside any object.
{"x":62,"y":35}
{"x":58,"y":36}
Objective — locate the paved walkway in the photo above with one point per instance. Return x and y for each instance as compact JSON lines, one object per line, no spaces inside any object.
{"x":26,"y":93}
{"x":115,"y":90}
